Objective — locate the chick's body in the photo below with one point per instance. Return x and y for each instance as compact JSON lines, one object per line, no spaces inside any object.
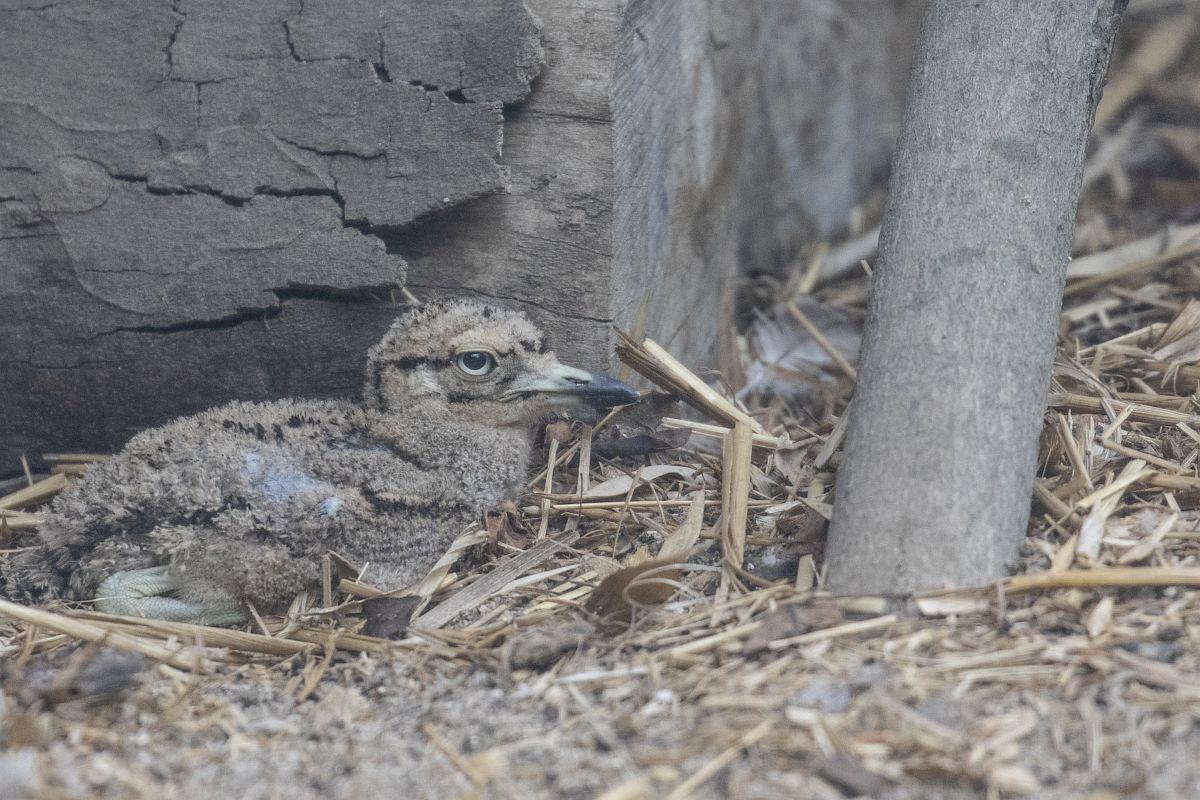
{"x":239,"y":503}
{"x":244,"y":500}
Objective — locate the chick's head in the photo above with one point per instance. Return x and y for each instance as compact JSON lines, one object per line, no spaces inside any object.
{"x":479,"y":362}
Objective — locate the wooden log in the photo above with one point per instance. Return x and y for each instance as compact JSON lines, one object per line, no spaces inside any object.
{"x":940,"y":452}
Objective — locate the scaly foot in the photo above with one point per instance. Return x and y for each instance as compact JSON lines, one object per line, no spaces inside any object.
{"x":140,"y":593}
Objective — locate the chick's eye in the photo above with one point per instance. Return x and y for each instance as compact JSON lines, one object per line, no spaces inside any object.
{"x":475,"y":362}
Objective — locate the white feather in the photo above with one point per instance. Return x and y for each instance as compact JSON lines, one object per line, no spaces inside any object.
{"x":780,"y":346}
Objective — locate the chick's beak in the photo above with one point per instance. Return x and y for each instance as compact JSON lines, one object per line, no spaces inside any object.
{"x":578,"y":387}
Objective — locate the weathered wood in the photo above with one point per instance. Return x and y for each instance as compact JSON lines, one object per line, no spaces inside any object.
{"x":214,"y":200}
{"x":744,"y":130}
{"x":546,"y":246}
{"x":942,"y":442}
{"x":174,"y":176}
{"x":674,"y":147}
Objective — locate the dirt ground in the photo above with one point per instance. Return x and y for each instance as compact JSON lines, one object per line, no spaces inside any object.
{"x":1078,"y":677}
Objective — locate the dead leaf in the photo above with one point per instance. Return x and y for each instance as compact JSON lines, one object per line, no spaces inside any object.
{"x":803,"y":526}
{"x":647,"y":413}
{"x":678,"y":546}
{"x":647,"y":584}
{"x":505,"y":526}
{"x":539,"y":648}
{"x":641,"y":444}
{"x":638,"y":557}
{"x":793,"y":620}
{"x":794,"y":463}
{"x":388,"y":617}
{"x":617,"y":488}
{"x":788,"y":360}
{"x":430,"y":583}
{"x":1148,"y":545}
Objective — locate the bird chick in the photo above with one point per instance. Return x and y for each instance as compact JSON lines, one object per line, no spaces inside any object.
{"x":193,"y":520}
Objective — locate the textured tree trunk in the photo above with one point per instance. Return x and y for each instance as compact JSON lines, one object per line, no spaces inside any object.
{"x":941,"y":447}
{"x":208,"y":199}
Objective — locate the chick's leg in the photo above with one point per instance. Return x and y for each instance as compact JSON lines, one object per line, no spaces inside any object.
{"x":144,"y":593}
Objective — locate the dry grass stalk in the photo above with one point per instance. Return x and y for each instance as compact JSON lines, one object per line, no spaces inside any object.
{"x":18,"y":521}
{"x":762,"y":440}
{"x":1129,"y":452}
{"x":360,"y":590}
{"x":735,"y":494}
{"x":107,"y":635}
{"x":437,"y":575}
{"x":1072,"y":449}
{"x":636,"y":788}
{"x":654,"y":363}
{"x":583,"y":476}
{"x":39,"y":492}
{"x":849,"y":629}
{"x":290,"y":642}
{"x":1061,"y":510}
{"x":834,"y":442}
{"x":544,"y":523}
{"x":493,"y":582}
{"x":80,"y":458}
{"x":1145,"y":334}
{"x":619,"y":504}
{"x":352,"y":642}
{"x":1103,"y":502}
{"x":1161,"y":48}
{"x":326,"y":581}
{"x":1132,"y":473}
{"x":822,"y":342}
{"x":477,"y":779}
{"x":660,"y":367}
{"x":198,"y":635}
{"x":1126,"y":577}
{"x":1184,"y":249}
{"x":720,"y":761}
{"x":1173,"y":482}
{"x":1138,"y":413}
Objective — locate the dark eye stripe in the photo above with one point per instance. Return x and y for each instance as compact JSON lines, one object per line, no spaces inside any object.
{"x":412,"y":362}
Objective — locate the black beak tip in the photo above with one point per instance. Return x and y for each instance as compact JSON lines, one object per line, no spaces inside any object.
{"x":604,"y":391}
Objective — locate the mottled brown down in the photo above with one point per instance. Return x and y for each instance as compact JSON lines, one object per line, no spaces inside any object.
{"x":243,"y":500}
